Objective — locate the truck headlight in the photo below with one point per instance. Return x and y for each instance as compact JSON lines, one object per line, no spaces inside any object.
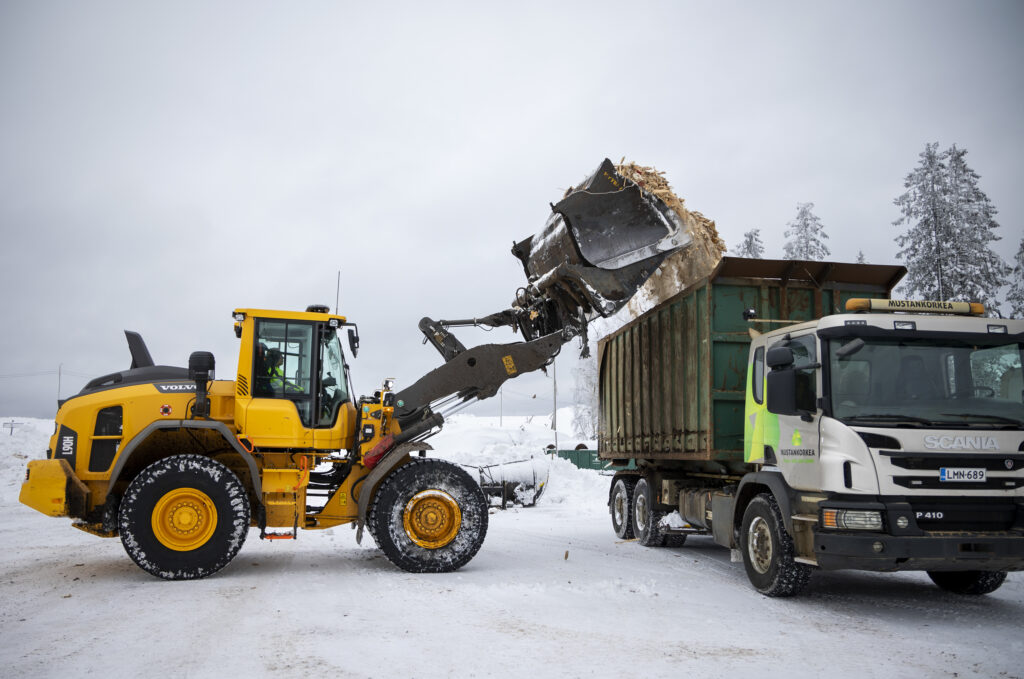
{"x":851,"y":519}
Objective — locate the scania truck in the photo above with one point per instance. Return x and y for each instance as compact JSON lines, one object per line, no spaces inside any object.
{"x":803,"y":419}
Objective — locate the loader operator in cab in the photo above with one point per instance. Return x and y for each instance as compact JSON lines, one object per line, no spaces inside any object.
{"x":275,"y":359}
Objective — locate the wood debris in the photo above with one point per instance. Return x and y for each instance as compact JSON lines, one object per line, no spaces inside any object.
{"x":689,"y":265}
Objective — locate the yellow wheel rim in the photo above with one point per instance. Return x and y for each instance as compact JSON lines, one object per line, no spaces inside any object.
{"x":184,"y":519}
{"x":432,"y":518}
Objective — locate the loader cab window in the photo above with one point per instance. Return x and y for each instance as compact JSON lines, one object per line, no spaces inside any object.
{"x":334,"y":390}
{"x":283,"y":364}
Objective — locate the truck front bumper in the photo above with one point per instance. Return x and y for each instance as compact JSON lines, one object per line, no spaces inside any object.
{"x":931,"y":552}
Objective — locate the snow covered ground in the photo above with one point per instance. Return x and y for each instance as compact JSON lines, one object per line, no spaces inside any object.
{"x":552,"y":593}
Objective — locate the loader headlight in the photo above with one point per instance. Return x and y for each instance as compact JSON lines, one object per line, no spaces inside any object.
{"x":851,"y":519}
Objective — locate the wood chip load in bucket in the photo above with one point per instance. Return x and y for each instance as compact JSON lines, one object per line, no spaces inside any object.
{"x":682,"y":268}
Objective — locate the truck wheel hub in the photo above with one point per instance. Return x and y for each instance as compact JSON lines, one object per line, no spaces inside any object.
{"x":619,"y":508}
{"x":184,"y":519}
{"x":640,"y":512}
{"x":759,"y":545}
{"x":431,"y":518}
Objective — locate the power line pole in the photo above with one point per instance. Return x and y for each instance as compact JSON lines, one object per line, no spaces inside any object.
{"x":554,"y":395}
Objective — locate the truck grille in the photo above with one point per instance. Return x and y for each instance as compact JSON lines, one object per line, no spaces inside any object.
{"x":1006,"y":463}
{"x":966,"y":515}
{"x":932,"y":461}
{"x":933,"y":483}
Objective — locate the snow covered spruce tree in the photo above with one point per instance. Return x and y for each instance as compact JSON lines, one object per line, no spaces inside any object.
{"x":860,"y":257}
{"x":805,"y":237}
{"x":1015,"y":296}
{"x":946,"y":248}
{"x":585,"y":405}
{"x":752,"y":246}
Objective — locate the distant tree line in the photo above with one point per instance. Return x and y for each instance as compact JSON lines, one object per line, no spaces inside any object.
{"x":947,"y":230}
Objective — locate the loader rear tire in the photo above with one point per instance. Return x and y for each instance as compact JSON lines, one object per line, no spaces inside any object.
{"x":620,"y":505}
{"x":184,"y":517}
{"x":429,"y":516}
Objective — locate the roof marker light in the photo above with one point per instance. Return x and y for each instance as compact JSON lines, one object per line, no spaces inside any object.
{"x":915,"y":306}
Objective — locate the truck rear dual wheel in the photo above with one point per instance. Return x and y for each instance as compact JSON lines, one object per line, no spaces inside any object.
{"x":768,"y":550}
{"x":429,"y":516}
{"x":620,"y":505}
{"x":646,"y":519}
{"x":968,"y":582}
{"x":184,"y":517}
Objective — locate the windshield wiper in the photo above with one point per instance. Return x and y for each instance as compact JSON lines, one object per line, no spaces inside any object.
{"x":993,"y":418}
{"x":890,"y":417}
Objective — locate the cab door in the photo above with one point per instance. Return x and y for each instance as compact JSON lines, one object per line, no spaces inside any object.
{"x":281,"y":412}
{"x":799,"y":450}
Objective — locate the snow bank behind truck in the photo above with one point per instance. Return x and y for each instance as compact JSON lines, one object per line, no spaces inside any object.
{"x":796,"y":414}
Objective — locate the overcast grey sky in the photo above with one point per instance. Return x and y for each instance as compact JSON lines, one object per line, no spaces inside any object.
{"x":164,"y":163}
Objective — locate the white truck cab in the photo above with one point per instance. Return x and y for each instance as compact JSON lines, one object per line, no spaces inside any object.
{"x":906,"y":432}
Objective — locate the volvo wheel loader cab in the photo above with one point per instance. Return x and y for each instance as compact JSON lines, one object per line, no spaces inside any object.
{"x":181,"y":465}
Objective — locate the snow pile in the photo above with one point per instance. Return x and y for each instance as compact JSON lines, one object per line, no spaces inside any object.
{"x":26,"y":441}
{"x":481,"y":441}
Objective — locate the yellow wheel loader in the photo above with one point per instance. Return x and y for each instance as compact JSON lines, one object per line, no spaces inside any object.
{"x":181,"y":465}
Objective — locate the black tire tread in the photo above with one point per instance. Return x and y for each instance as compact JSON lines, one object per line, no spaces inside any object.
{"x":654,"y":535}
{"x":785,"y":577}
{"x":177,"y":471}
{"x":416,"y":475}
{"x":624,"y":532}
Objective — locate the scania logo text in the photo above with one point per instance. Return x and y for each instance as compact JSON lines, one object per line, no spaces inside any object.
{"x":961,"y":442}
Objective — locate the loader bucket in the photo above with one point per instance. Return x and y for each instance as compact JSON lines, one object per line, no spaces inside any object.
{"x":603,"y":240}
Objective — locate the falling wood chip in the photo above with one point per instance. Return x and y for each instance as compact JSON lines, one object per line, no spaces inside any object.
{"x":689,"y":265}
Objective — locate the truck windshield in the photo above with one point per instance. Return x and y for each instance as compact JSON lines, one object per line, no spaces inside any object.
{"x":927,"y":382}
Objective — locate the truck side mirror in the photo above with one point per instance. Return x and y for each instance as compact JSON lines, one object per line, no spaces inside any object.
{"x":781,"y":390}
{"x":353,"y":342}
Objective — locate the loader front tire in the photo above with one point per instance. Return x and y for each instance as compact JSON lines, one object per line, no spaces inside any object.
{"x":184,"y":517}
{"x":429,"y":516}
